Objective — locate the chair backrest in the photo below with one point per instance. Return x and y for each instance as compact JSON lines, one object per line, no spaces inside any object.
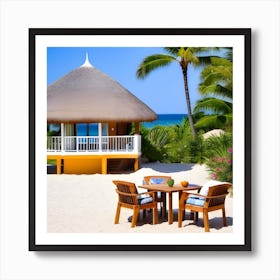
{"x":219,"y":190}
{"x":127,"y":192}
{"x":148,"y":178}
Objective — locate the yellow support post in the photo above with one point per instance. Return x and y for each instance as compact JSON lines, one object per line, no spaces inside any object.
{"x":104,"y":165}
{"x":136,"y":164}
{"x":58,"y":166}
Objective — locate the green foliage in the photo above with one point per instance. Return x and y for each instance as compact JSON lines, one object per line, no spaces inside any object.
{"x":159,"y":136}
{"x":216,"y":90}
{"x":53,"y":133}
{"x":51,"y":161}
{"x":217,"y":78}
{"x":216,"y":105}
{"x":153,"y":62}
{"x":221,"y":168}
{"x":219,"y":157}
{"x":153,"y":143}
{"x":210,"y":122}
{"x":175,"y":144}
{"x":183,"y":56}
{"x":172,"y":144}
{"x":196,"y":149}
{"x":218,"y":145}
{"x":176,"y":149}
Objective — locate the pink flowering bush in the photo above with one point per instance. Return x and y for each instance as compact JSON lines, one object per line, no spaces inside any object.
{"x":221,"y":167}
{"x":219,"y":158}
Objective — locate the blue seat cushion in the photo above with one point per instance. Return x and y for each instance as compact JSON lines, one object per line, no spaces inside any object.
{"x":198,"y":201}
{"x":145,"y":200}
{"x":156,"y":181}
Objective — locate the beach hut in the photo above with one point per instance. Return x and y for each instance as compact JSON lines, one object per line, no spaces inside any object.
{"x":94,"y":114}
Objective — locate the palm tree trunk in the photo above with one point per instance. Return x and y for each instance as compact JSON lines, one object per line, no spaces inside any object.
{"x":190,"y":116}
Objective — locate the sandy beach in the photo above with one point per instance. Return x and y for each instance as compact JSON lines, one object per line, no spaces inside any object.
{"x":87,"y":203}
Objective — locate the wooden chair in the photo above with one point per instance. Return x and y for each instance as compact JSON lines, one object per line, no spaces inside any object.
{"x":161,"y":197}
{"x":130,"y":198}
{"x":214,"y":200}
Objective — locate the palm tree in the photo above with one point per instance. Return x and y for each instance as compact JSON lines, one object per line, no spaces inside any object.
{"x":184,"y":56}
{"x":216,"y":87}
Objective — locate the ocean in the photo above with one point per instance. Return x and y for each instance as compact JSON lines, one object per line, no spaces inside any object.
{"x":166,"y":120}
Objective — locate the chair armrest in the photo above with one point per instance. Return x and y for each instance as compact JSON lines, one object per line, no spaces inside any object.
{"x":217,"y":196}
{"x":127,"y":194}
{"x":151,"y":193}
{"x":187,"y":194}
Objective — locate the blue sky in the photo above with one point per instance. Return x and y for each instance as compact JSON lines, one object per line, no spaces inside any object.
{"x":162,"y":90}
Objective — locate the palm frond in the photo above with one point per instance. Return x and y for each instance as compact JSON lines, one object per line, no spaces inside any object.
{"x":159,"y":136}
{"x":220,"y":61}
{"x":172,"y":50}
{"x":215,"y":77}
{"x":204,"y":60}
{"x":190,"y":57}
{"x":215,"y":90}
{"x":153,"y":62}
{"x":209,"y":122}
{"x":214,"y":105}
{"x":217,"y":73}
{"x":203,"y":50}
{"x":214,"y":121}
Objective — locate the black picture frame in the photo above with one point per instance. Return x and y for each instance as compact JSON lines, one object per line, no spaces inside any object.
{"x":244,"y":33}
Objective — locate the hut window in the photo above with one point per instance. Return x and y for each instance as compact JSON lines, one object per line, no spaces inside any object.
{"x":85,"y":129}
{"x":91,"y":129}
{"x":82,"y":129}
{"x":104,"y":127}
{"x":53,"y":130}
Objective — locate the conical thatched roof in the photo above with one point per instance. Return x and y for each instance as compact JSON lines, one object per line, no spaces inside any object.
{"x":88,"y":95}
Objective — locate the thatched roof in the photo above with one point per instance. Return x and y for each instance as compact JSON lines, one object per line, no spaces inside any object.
{"x":88,"y":95}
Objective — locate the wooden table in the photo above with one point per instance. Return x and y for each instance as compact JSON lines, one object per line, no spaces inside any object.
{"x":164,"y":188}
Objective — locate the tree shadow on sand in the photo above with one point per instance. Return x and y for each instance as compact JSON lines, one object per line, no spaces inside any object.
{"x":167,"y":167}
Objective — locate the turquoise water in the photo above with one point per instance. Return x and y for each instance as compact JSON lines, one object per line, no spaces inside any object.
{"x":166,"y":120}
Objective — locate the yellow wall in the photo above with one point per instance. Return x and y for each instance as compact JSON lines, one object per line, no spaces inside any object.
{"x":87,"y":164}
{"x":82,"y":165}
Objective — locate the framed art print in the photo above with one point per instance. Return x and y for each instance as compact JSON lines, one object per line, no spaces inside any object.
{"x":140,"y":139}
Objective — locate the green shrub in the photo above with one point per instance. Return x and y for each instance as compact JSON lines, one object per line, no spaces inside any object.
{"x":219,"y":157}
{"x":154,"y":143}
{"x":172,"y":144}
{"x":196,"y":149}
{"x":218,"y":145}
{"x":175,"y":144}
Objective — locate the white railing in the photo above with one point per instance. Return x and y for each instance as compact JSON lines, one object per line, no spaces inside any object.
{"x":123,"y":143}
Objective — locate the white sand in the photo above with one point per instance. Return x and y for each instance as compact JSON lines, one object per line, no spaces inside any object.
{"x":87,"y":203}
